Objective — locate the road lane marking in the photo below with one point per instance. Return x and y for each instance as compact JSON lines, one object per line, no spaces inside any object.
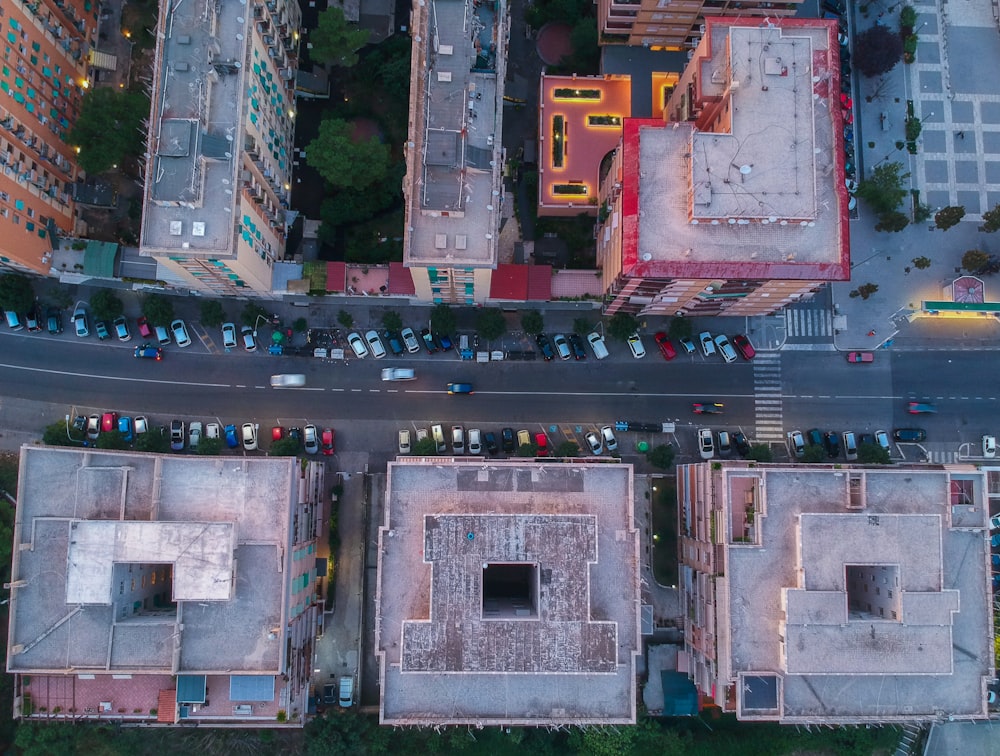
{"x":129,"y":379}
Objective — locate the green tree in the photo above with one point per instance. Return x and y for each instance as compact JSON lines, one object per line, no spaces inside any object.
{"x":392,"y":320}
{"x":159,"y":310}
{"x":532,"y":322}
{"x":892,"y":221}
{"x":442,"y":319}
{"x":526,"y":450}
{"x":348,"y":733}
{"x":210,"y":447}
{"x":582,"y":326}
{"x":57,"y":739}
{"x":490,"y":323}
{"x":212,"y":313}
{"x":55,"y":435}
{"x":864,"y":291}
{"x":154,"y":441}
{"x":251,"y":312}
{"x":8,"y":475}
{"x":975,"y":261}
{"x":345,"y":162}
{"x":991,"y":220}
{"x":877,"y":50}
{"x":622,"y":325}
{"x":345,"y":319}
{"x":353,"y":206}
{"x":300,"y":325}
{"x":873,"y":454}
{"x":949,"y":216}
{"x":883,"y":190}
{"x":109,"y":128}
{"x":921,"y":263}
{"x":425,"y":447}
{"x":111,"y":440}
{"x":16,"y":292}
{"x":680,"y":328}
{"x":335,"y":40}
{"x":814,"y":454}
{"x":285,"y":447}
{"x":386,"y":68}
{"x":760,"y":453}
{"x":106,"y":305}
{"x":661,"y":456}
{"x":586,"y":51}
{"x":568,"y":449}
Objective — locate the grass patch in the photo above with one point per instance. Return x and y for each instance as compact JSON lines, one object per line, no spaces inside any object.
{"x":665,"y":531}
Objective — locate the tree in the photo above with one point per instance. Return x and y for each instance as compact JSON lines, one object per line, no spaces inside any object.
{"x":892,"y":221}
{"x":921,"y":263}
{"x":109,"y":128}
{"x":490,"y":323}
{"x":111,"y":440}
{"x":210,"y":447}
{"x":392,"y":320}
{"x":159,"y":310}
{"x":344,"y":161}
{"x":532,"y":322}
{"x":949,"y":216}
{"x":153,"y":441}
{"x":883,"y":190}
{"x":877,"y":50}
{"x":873,"y":454}
{"x":251,"y":312}
{"x":661,"y":456}
{"x":425,"y":447}
{"x":212,"y":313}
{"x":760,"y":453}
{"x":680,"y":328}
{"x":16,"y":292}
{"x":975,"y":261}
{"x":442,"y":319}
{"x":345,"y":319}
{"x":568,"y":449}
{"x":300,"y":325}
{"x":285,"y":447}
{"x":335,"y":40}
{"x":622,"y":325}
{"x":864,"y":291}
{"x":526,"y":450}
{"x":814,"y":454}
{"x":106,"y":305}
{"x":991,"y":220}
{"x":56,"y":435}
{"x":582,"y":326}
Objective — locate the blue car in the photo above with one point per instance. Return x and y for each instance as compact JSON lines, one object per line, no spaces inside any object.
{"x":232,"y":440}
{"x":125,"y":428}
{"x":460,"y":388}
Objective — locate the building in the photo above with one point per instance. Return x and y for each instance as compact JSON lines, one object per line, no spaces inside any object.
{"x":826,"y":594}
{"x":737,"y":204}
{"x":677,"y":25}
{"x":220,"y":145}
{"x":453,"y":188}
{"x":164,"y":589}
{"x":42,"y":77}
{"x":508,"y":593}
{"x":579,"y":124}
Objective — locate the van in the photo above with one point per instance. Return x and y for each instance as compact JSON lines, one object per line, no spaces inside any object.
{"x":463,"y":347}
{"x":437,"y":433}
{"x":162,"y":336}
{"x":13,"y":321}
{"x":457,"y":439}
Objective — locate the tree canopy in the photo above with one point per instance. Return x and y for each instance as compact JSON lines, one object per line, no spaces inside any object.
{"x":212,"y":313}
{"x":975,"y":261}
{"x":622,"y":325}
{"x":16,"y":292}
{"x":335,"y":40}
{"x":106,"y":305}
{"x":342,"y":160}
{"x":883,"y":190}
{"x":490,"y":323}
{"x":532,"y":322}
{"x":109,"y":128}
{"x":159,"y":310}
{"x":661,"y":456}
{"x":949,"y":216}
{"x":392,"y":320}
{"x":877,"y":50}
{"x":442,"y":319}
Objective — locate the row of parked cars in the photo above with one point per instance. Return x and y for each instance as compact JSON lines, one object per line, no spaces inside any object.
{"x":405,"y":341}
{"x":571,"y":345}
{"x":474,"y":441}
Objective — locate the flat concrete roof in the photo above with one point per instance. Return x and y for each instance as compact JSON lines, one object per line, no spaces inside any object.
{"x":222,"y":525}
{"x":451,"y":652}
{"x":784,"y":599}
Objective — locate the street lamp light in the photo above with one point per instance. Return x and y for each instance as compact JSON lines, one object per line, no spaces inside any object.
{"x":257,"y":322}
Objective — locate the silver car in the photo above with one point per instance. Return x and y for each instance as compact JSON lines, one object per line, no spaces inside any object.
{"x":357,"y":345}
{"x":706,"y":444}
{"x":179,"y":330}
{"x":410,"y":339}
{"x":229,"y":335}
{"x":310,"y":439}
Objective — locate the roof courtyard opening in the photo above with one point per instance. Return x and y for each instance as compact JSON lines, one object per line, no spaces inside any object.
{"x":510,"y":591}
{"x":873,"y":592}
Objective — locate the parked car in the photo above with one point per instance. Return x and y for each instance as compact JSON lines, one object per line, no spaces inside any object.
{"x":328,"y":441}
{"x":636,"y":347}
{"x":79,"y":320}
{"x":523,"y":438}
{"x":594,"y":443}
{"x":577,"y":344}
{"x":831,"y":442}
{"x":707,"y":344}
{"x":444,"y":341}
{"x":609,"y":438}
{"x":664,"y":345}
{"x":744,"y":347}
{"x":180,"y":333}
{"x":920,"y":408}
{"x":125,"y":428}
{"x":507,"y":440}
{"x":194,"y":434}
{"x":93,"y":427}
{"x":176,"y":435}
{"x":457,"y":439}
{"x":144,"y":330}
{"x":229,"y":335}
{"x":148,"y":352}
{"x":545,"y":347}
{"x":53,"y":321}
{"x":310,"y":439}
{"x":211,"y":430}
{"x":989,"y":446}
{"x":460,"y":388}
{"x":597,"y":345}
{"x":121,"y":329}
{"x":404,"y":441}
{"x":475,"y":441}
{"x":375,"y":344}
{"x":687,"y":344}
{"x":725,"y":348}
{"x":440,"y":444}
{"x":103,"y":332}
{"x":398,"y":374}
{"x":541,"y":445}
{"x":706,"y":444}
{"x":109,"y":422}
{"x":141,"y":425}
{"x":395,"y":342}
{"x":724,"y":446}
{"x":428,"y":340}
{"x":562,"y":346}
{"x":249,"y":436}
{"x":491,"y":442}
{"x":410,"y":339}
{"x":357,"y":345}
{"x":798,"y":444}
{"x":741,"y":444}
{"x":278,"y":432}
{"x":31,"y":321}
{"x":860,"y":357}
{"x":882,"y":439}
{"x":850,"y":446}
{"x":232,"y":440}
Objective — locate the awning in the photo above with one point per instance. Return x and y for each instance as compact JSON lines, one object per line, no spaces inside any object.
{"x":99,"y":259}
{"x":104,"y":60}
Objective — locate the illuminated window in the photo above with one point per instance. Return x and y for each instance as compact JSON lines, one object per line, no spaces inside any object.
{"x":565,"y":93}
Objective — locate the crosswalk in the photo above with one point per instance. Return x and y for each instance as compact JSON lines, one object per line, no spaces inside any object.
{"x":804,"y":322}
{"x":943,"y":457}
{"x":767,"y":396}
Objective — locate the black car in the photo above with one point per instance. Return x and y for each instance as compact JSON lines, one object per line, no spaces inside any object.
{"x":425,"y":334}
{"x":545,"y":346}
{"x":31,"y":321}
{"x":911,"y":435}
{"x":295,"y":433}
{"x":394,"y":341}
{"x":53,"y":320}
{"x":741,"y":444}
{"x":491,"y":443}
{"x":867,"y":438}
{"x":330,"y":694}
{"x":576,"y":343}
{"x":815,"y":437}
{"x":831,"y":441}
{"x":507,"y":440}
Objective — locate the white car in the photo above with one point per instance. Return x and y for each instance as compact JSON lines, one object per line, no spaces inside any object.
{"x":212,"y":430}
{"x":80,"y":321}
{"x":882,"y":439}
{"x":357,"y":344}
{"x":410,"y":340}
{"x":194,"y":434}
{"x":707,"y":345}
{"x":562,"y":346}
{"x":288,"y":380}
{"x":594,"y":442}
{"x":179,"y":330}
{"x":609,"y":438}
{"x":249,"y":339}
{"x":596,"y":342}
{"x":475,"y":441}
{"x":375,"y":344}
{"x":457,"y":439}
{"x":310,"y":439}
{"x":121,"y":329}
{"x":404,"y":441}
{"x":706,"y":446}
{"x":398,"y":374}
{"x":249,"y":436}
{"x":229,"y":335}
{"x":725,"y":348}
{"x":635,"y":344}
{"x":989,"y":446}
{"x":141,"y":425}
{"x":995,"y":522}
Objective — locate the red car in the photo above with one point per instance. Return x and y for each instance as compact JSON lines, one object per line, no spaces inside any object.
{"x":542,"y":442}
{"x":860,"y":357}
{"x":744,"y":347}
{"x":328,"y":441}
{"x":666,"y":348}
{"x":109,"y":422}
{"x":144,"y":330}
{"x":277,"y":433}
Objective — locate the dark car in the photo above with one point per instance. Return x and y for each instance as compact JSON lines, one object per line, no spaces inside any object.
{"x":911,"y":435}
{"x":666,"y":348}
{"x":744,"y":347}
{"x":707,"y":408}
{"x":395,"y":342}
{"x":425,"y":334}
{"x":545,"y":346}
{"x":148,"y":352}
{"x":31,"y":321}
{"x":491,"y":443}
{"x":177,"y":435}
{"x":444,"y":341}
{"x":330,"y":694}
{"x":920,"y":408}
{"x":507,"y":440}
{"x":831,"y":442}
{"x":741,"y":444}
{"x":53,"y":320}
{"x":815,"y":437}
{"x":576,"y":342}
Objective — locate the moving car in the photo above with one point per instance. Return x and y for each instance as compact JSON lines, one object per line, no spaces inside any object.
{"x":288,"y":380}
{"x":144,"y":330}
{"x":79,"y":319}
{"x":410,"y":340}
{"x":706,"y":445}
{"x":375,"y":344}
{"x":229,"y":335}
{"x":707,"y":345}
{"x":460,"y":388}
{"x":744,"y":347}
{"x":665,"y":347}
{"x":609,"y":438}
{"x":707,"y":408}
{"x":594,"y":442}
{"x":562,"y":346}
{"x":989,"y":446}
{"x":798,"y":444}
{"x":102,"y":330}
{"x":232,"y":440}
{"x":249,"y":338}
{"x":860,"y":357}
{"x":404,"y":441}
{"x":428,"y":339}
{"x":176,"y":435}
{"x":507,"y":440}
{"x":636,"y":346}
{"x":544,"y":346}
{"x":180,"y":333}
{"x":357,"y":345}
{"x":920,"y":408}
{"x":53,"y":321}
{"x":597,"y":344}
{"x":328,"y":442}
{"x":125,"y":428}
{"x":725,"y":348}
{"x":398,"y":374}
{"x":194,"y":434}
{"x":148,"y":352}
{"x":121,"y":329}
{"x":249,"y":436}
{"x":310,"y":439}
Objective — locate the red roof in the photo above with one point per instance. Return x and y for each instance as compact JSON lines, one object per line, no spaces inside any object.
{"x":400,"y":280}
{"x":336,"y":276}
{"x":521,"y":283}
{"x":539,"y":283}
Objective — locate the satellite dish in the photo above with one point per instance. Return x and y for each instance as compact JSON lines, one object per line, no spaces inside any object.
{"x":647,"y":257}
{"x":746,"y":169}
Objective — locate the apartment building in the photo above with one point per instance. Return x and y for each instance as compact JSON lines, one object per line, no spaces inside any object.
{"x":42,"y":79}
{"x":735,"y":203}
{"x":837,"y":594}
{"x":220,"y":145}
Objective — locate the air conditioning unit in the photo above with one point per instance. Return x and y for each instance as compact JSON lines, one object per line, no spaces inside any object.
{"x":701,"y":29}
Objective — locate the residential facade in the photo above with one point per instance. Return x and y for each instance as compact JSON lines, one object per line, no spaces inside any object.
{"x":220,"y":145}
{"x":187,"y":592}
{"x":837,"y":594}
{"x":453,"y":189}
{"x":43,"y":76}
{"x":735,"y":203}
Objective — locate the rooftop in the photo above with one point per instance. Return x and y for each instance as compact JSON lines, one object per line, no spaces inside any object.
{"x":507,"y":593}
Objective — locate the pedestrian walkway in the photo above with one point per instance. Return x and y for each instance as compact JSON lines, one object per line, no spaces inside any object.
{"x":767,"y":397}
{"x":942,"y":457}
{"x":809,"y":322}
